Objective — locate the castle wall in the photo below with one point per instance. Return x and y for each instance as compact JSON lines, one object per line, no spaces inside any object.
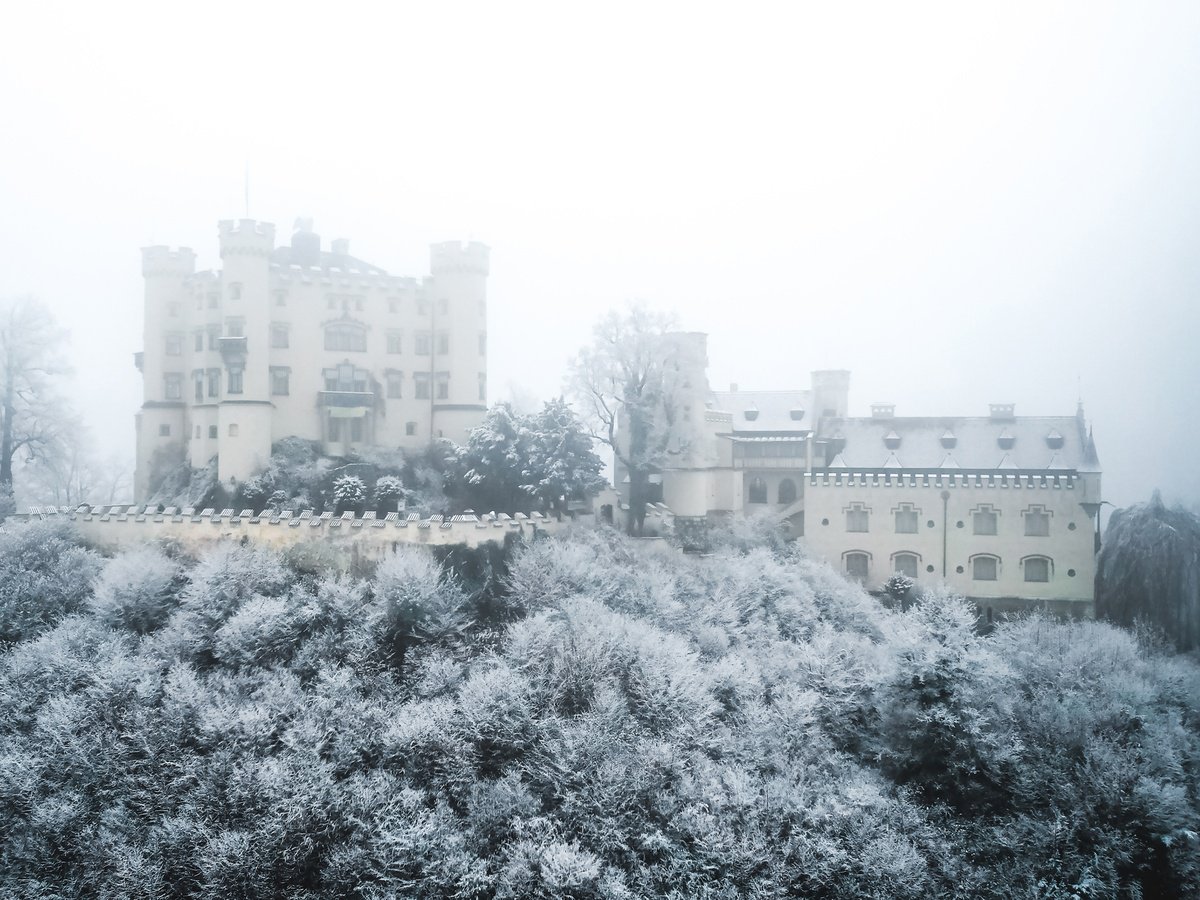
{"x":945,"y":505}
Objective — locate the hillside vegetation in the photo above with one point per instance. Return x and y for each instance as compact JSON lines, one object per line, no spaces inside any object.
{"x":594,"y":718}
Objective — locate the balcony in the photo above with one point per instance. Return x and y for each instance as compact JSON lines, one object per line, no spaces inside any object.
{"x":233,"y":349}
{"x":346,"y":399}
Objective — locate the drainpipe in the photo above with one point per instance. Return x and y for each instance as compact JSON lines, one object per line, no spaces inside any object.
{"x":945,"y":525}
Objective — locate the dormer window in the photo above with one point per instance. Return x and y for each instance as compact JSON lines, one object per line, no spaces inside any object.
{"x":1054,"y":440}
{"x":949,"y":441}
{"x":891,"y":440}
{"x":1006,"y":439}
{"x":751,"y":414}
{"x":796,"y":413}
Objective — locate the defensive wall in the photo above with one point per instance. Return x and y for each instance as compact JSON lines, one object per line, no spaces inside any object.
{"x":349,"y":540}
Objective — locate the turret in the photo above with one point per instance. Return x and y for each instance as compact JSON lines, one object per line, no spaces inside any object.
{"x":457,"y":294}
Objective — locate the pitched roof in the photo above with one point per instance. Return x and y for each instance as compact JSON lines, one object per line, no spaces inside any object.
{"x":861,"y":443}
{"x":774,"y":410}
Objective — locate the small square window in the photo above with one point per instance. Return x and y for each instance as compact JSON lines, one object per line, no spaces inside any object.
{"x":164,"y":430}
{"x":410,"y":428}
{"x":233,"y":429}
{"x":212,"y":431}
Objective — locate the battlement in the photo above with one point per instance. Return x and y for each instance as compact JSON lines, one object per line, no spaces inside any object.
{"x":347,"y":540}
{"x":246,"y":237}
{"x":162,"y":260}
{"x":458,"y":258}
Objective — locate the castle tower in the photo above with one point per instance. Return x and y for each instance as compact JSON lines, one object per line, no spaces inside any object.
{"x":831,"y":394}
{"x":160,"y":423}
{"x":458,"y":365}
{"x":244,"y":413}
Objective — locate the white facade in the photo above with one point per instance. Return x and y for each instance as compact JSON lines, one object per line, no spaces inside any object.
{"x":999,"y":508}
{"x":292,"y":340}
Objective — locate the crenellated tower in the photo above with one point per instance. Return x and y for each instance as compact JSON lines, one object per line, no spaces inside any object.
{"x":457,"y":292}
{"x":244,"y":415}
{"x":161,"y":421}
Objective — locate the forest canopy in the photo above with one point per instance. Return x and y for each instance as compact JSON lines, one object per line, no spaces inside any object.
{"x":586,"y":717}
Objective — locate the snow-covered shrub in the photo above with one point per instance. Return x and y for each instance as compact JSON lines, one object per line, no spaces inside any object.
{"x":349,"y":493}
{"x":45,"y":574}
{"x":389,"y":492}
{"x":137,"y":590}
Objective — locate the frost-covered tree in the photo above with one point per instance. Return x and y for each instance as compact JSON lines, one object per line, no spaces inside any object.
{"x":1149,"y":570}
{"x":560,"y":464}
{"x":349,"y":493}
{"x":630,"y":382}
{"x":487,"y":472}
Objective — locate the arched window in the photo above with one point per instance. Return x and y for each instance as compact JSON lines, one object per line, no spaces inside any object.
{"x":346,"y":336}
{"x":757,"y":492}
{"x":787,"y":491}
{"x":858,"y":565}
{"x":985,"y":568}
{"x":906,"y":564}
{"x":1036,"y":568}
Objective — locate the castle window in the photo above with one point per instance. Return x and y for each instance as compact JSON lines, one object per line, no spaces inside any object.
{"x":279,"y":336}
{"x":858,"y":518}
{"x":214,"y":337}
{"x":173,"y":310}
{"x":395,"y":341}
{"x":443,"y":306}
{"x":421,"y":385}
{"x":1037,"y":522}
{"x":235,"y":291}
{"x":906,"y":564}
{"x":198,"y":379}
{"x":280,"y":377}
{"x":422,"y":307}
{"x":234,"y":328}
{"x":483,"y":343}
{"x":985,"y":568}
{"x":199,"y":345}
{"x":443,"y":386}
{"x":359,"y":303}
{"x":858,"y":566}
{"x":234,"y":385}
{"x":197,"y":431}
{"x":174,"y":345}
{"x":906,"y":519}
{"x":281,"y":298}
{"x":985,"y":519}
{"x":757,"y":491}
{"x":483,"y":387}
{"x":346,"y":336}
{"x":173,"y":386}
{"x":393,"y":306}
{"x":422,"y":343}
{"x":214,"y":383}
{"x":345,"y":378}
{"x":233,"y":429}
{"x":395,"y":385}
{"x":1037,"y":568}
{"x":443,"y":343}
{"x":410,"y":428}
{"x":214,"y":300}
{"x":164,"y":430}
{"x":212,"y":431}
{"x":787,"y":492}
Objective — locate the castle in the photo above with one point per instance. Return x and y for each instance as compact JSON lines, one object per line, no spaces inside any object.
{"x":297,"y":340}
{"x":1001,"y":508}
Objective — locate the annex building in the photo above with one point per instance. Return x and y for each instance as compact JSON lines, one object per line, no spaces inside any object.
{"x":999,"y":507}
{"x":297,"y":339}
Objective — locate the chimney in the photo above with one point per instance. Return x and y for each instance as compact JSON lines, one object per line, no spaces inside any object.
{"x":883,"y":410}
{"x":1002,"y":412}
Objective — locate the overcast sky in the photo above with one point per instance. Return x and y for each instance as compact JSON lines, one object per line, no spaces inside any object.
{"x":961,"y":207}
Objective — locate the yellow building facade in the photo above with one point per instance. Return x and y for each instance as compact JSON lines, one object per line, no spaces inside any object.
{"x":300,"y":340}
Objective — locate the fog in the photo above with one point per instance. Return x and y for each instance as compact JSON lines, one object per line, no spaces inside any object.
{"x":960,"y":207}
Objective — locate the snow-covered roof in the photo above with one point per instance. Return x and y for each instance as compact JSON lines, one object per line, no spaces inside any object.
{"x":770,"y":411}
{"x":1027,"y":443}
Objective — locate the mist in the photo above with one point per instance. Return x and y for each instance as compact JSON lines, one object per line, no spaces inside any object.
{"x":959,"y":206}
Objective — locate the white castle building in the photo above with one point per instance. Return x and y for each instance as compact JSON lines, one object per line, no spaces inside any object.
{"x":1000,"y":508}
{"x":296,"y":340}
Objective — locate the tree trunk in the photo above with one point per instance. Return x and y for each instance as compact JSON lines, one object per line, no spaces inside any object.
{"x":6,"y":431}
{"x":639,"y":489}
